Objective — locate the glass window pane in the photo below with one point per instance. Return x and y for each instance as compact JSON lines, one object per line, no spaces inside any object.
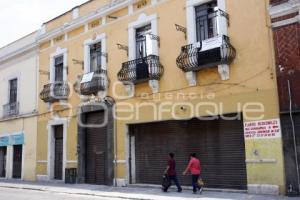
{"x":59,"y":69}
{"x":206,"y":26}
{"x":95,"y":57}
{"x":13,"y":88}
{"x":143,"y":42}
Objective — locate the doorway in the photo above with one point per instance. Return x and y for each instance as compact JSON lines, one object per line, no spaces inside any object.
{"x":58,"y":152}
{"x":3,"y":153}
{"x":17,"y":161}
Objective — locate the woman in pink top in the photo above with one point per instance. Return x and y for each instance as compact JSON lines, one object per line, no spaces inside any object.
{"x":194,"y":168}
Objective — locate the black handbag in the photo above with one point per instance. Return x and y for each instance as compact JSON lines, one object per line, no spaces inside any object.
{"x":166,"y":183}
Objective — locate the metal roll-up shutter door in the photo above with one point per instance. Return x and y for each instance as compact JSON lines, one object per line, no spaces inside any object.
{"x":219,"y":145}
{"x":95,"y":150}
{"x":288,"y":147}
{"x":17,"y":161}
{"x":3,"y":161}
{"x":58,"y":157}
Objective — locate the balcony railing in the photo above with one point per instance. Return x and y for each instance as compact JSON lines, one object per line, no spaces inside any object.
{"x":141,"y":70}
{"x":55,"y":92}
{"x":11,"y":109}
{"x":208,"y":53}
{"x":98,"y":82}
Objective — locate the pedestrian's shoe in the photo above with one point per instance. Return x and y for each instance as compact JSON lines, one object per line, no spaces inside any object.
{"x":179,"y":190}
{"x":200,"y":190}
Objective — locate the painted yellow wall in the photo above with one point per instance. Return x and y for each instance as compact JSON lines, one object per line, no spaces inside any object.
{"x":251,"y":76}
{"x":29,"y":127}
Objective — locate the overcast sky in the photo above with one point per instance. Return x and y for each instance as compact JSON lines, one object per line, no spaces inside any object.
{"x":21,"y":17}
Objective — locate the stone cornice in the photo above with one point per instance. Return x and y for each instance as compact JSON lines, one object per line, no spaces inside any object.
{"x":103,"y":11}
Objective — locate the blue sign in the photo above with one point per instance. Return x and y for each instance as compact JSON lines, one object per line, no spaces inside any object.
{"x":4,"y":141}
{"x":17,"y":139}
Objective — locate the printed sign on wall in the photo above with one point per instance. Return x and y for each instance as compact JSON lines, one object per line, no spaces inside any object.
{"x":17,"y":139}
{"x":265,"y":129}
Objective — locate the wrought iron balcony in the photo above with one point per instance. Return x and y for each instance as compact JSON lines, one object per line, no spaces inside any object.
{"x":208,"y":53}
{"x":10,"y":109}
{"x":141,"y":70}
{"x":93,"y":82}
{"x":55,"y":91}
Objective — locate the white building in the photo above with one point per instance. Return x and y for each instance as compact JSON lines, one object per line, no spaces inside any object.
{"x":18,"y":108}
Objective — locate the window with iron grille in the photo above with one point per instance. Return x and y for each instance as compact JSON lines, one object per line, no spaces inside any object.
{"x":143,"y":42}
{"x":13,"y":89}
{"x":59,"y":69}
{"x":95,"y":57}
{"x":206,"y":22}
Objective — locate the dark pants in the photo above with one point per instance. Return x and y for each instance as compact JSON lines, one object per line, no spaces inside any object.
{"x":196,"y":187}
{"x":175,"y":180}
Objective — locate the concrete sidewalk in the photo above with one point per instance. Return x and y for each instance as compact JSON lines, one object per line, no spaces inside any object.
{"x":133,"y":193}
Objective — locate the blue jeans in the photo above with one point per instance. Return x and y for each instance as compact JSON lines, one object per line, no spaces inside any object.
{"x":196,"y":187}
{"x":175,"y":180}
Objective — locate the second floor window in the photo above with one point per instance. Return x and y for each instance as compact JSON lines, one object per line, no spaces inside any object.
{"x":13,"y":89}
{"x":95,"y":57}
{"x":206,"y":21}
{"x":59,"y":69}
{"x":143,"y":41}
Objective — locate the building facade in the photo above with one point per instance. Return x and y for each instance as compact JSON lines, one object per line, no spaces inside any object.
{"x":18,"y":110}
{"x":125,"y":82}
{"x":285,"y":24}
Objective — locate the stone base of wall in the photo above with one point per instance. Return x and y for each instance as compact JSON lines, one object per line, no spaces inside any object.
{"x":263,"y":189}
{"x":121,"y":182}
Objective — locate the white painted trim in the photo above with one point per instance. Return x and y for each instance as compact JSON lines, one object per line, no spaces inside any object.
{"x":130,"y":9}
{"x":87,"y":43}
{"x":103,"y":21}
{"x":142,"y":20}
{"x":133,"y":163}
{"x":153,"y":2}
{"x":72,"y":161}
{"x":127,"y":151}
{"x":23,"y":160}
{"x":9,"y":162}
{"x":222,"y":29}
{"x":50,"y":156}
{"x":120,"y":161}
{"x":191,"y":19}
{"x":59,"y":52}
{"x":42,"y":161}
{"x":86,"y":28}
{"x":75,"y":13}
{"x":284,"y":9}
{"x":286,"y":22}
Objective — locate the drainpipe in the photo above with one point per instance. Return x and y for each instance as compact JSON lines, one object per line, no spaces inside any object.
{"x":294,"y":135}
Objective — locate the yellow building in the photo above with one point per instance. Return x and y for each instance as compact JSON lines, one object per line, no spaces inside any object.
{"x":126,"y":82}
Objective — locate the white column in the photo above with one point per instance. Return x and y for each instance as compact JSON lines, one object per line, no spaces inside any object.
{"x":133,"y":172}
{"x":191,"y":37}
{"x":9,"y":162}
{"x":222,"y":26}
